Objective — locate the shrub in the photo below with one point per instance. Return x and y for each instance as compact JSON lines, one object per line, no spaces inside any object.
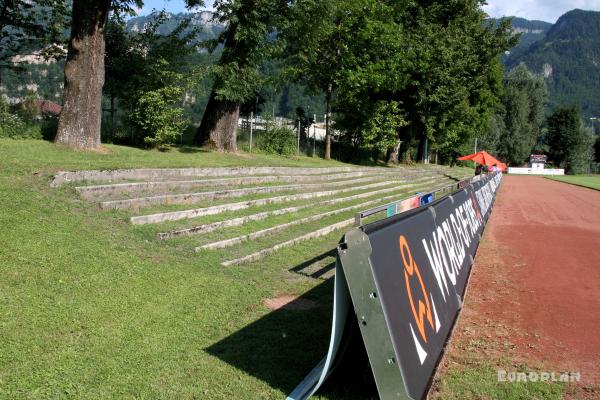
{"x":48,"y":128}
{"x":11,"y":126}
{"x":277,"y":139}
{"x":28,"y":109}
{"x":158,"y":117}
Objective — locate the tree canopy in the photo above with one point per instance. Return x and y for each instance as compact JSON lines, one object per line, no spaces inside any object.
{"x":28,"y":26}
{"x":395,"y":76}
{"x":570,"y":146}
{"x":524,"y":101}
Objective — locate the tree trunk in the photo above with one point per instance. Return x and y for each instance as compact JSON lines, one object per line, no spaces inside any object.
{"x":408,"y":154}
{"x":393,"y":154}
{"x":328,"y":113}
{"x":219,"y":124}
{"x":81,"y":116}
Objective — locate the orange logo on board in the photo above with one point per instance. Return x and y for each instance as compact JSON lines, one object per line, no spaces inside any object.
{"x":412,"y":272}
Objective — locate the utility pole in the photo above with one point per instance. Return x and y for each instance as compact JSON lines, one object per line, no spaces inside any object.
{"x":298,"y":150}
{"x":314,"y":135}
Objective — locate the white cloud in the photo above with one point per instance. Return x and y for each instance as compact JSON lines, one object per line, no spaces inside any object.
{"x":544,"y":10}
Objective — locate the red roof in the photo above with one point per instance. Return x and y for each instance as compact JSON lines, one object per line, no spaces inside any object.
{"x":49,"y":107}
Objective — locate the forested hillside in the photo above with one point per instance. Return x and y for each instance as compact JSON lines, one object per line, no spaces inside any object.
{"x":203,"y":21}
{"x":530,"y":31}
{"x":569,"y":58}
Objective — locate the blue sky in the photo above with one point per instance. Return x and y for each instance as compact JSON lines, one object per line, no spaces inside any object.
{"x":545,"y":10}
{"x":174,"y":6}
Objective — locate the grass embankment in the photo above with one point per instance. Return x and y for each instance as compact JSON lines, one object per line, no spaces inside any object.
{"x":589,"y":181}
{"x":480,"y":381}
{"x":94,"y":307}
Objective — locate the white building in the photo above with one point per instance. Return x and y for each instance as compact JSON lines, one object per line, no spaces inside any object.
{"x":537,"y":166}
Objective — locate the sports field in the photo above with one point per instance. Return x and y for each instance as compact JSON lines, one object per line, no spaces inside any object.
{"x":590,"y":181}
{"x":533,"y":300}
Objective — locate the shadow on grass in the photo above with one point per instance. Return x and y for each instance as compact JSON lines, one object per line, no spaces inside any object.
{"x":282,"y":347}
{"x":452,"y":177}
{"x":185,"y":149}
{"x":313,"y":268}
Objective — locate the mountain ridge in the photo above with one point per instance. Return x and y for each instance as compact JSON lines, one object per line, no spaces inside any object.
{"x":568,"y":56}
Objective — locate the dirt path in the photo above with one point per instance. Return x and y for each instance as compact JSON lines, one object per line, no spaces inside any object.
{"x":534,"y":296}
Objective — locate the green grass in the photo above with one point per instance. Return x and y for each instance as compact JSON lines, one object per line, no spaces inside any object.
{"x":589,"y":181}
{"x":42,"y":156}
{"x":480,"y":381}
{"x":96,"y":308}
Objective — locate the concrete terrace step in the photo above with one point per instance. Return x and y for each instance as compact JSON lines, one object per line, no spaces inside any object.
{"x":191,"y":198}
{"x":64,"y":177}
{"x":206,"y":228}
{"x":269,"y":250}
{"x":212,"y":210}
{"x":90,"y":192}
{"x":310,"y":235}
{"x":278,"y":228}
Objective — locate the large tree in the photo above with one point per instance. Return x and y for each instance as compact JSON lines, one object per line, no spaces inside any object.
{"x":80,"y":120}
{"x":570,"y":146}
{"x":249,"y":39}
{"x":373,"y":72}
{"x":457,"y":79}
{"x":525,"y":97}
{"x":430,"y":71}
{"x":316,"y":40}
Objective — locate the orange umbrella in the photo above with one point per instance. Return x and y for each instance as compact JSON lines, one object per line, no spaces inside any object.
{"x":481,"y":157}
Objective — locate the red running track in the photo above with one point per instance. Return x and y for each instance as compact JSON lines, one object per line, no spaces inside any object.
{"x":536,"y":278}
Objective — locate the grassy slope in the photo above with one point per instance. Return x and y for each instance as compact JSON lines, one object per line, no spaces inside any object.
{"x":93,"y":307}
{"x":92,"y":310}
{"x":32,"y":154}
{"x":589,"y":181}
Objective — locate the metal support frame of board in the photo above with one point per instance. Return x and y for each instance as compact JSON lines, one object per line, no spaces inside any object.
{"x":354,"y":256}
